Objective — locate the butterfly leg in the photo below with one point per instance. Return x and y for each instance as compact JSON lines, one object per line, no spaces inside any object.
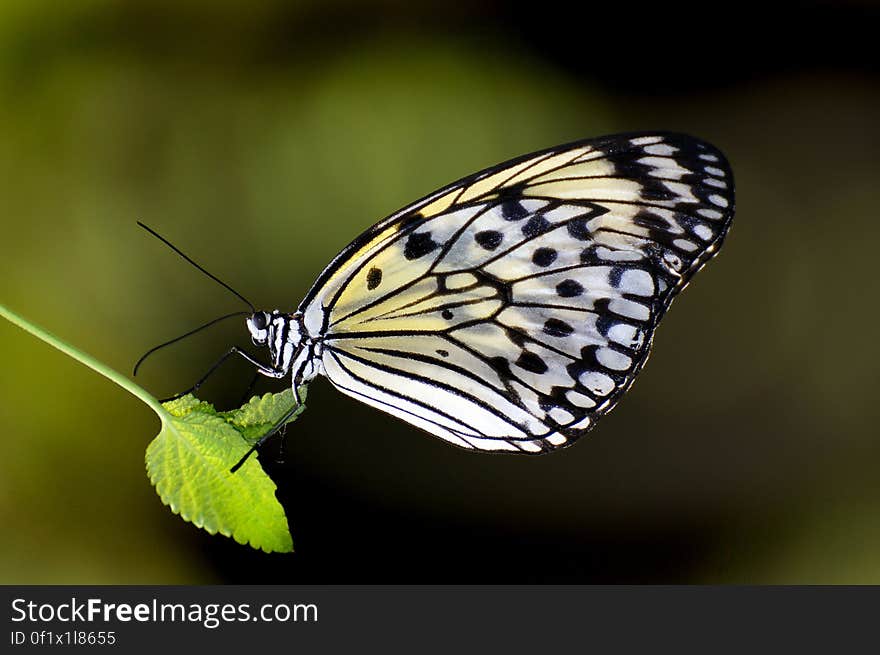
{"x":250,"y":388}
{"x":261,"y":368}
{"x":302,"y":360}
{"x":259,"y":442}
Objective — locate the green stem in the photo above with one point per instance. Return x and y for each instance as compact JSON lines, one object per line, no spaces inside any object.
{"x":83,"y":358}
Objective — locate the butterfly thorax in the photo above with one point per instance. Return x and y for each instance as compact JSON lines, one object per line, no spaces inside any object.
{"x":290,"y":348}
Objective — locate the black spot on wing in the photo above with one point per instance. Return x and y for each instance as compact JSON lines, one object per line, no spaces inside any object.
{"x":531,"y":362}
{"x":556,"y":328}
{"x":569,"y":289}
{"x":577,"y":228}
{"x":489,"y":239}
{"x":543,"y":257}
{"x":589,"y":255}
{"x":374,"y":278}
{"x":615,"y":275}
{"x":512,"y":209}
{"x":419,"y":244}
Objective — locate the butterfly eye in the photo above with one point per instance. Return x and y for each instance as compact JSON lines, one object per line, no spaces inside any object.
{"x":259,"y":320}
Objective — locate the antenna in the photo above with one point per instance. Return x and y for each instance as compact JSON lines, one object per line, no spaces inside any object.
{"x":183,"y":336}
{"x":213,"y":277}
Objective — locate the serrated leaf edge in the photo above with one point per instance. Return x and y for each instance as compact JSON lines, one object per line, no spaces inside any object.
{"x":162,"y":491}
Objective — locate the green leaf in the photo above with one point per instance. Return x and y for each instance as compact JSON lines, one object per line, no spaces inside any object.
{"x":189,"y":465}
{"x":189,"y":461}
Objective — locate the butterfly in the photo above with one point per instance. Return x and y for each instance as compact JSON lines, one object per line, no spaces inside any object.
{"x":510,"y":310}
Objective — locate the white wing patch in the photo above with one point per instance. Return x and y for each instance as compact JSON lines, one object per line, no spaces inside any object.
{"x":511,"y":310}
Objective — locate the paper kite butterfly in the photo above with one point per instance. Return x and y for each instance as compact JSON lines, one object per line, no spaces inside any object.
{"x":512,"y":309}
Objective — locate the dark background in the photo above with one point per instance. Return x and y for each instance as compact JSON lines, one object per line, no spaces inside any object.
{"x":261,"y":137}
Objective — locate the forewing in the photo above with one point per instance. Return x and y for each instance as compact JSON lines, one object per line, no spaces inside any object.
{"x":510,"y":310}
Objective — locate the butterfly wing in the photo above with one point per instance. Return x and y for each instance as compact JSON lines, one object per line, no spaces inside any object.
{"x":510,"y":310}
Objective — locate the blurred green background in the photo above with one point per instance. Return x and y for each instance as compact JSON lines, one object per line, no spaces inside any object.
{"x":261,"y":137}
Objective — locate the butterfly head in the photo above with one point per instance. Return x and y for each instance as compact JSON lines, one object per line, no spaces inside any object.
{"x":277,"y":331}
{"x":262,"y":326}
